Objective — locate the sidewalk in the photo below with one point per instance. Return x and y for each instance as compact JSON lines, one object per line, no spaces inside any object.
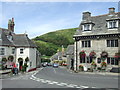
{"x":96,"y":72}
{"x":7,"y":74}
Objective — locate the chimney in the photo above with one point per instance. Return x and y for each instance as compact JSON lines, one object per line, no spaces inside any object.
{"x":111,"y":10}
{"x":86,"y":15}
{"x":11,"y":24}
{"x":12,"y":19}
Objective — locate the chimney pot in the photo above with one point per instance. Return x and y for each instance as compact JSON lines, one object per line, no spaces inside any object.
{"x":111,"y":10}
{"x":12,"y":19}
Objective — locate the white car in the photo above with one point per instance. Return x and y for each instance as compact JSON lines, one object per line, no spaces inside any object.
{"x":55,"y":65}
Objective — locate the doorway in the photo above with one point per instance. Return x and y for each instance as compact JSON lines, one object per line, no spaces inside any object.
{"x":20,"y":60}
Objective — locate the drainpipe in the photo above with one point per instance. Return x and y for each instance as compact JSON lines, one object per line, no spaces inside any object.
{"x":76,"y":57}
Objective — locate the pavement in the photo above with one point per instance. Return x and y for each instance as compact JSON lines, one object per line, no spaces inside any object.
{"x":8,"y":74}
{"x":95,"y":72}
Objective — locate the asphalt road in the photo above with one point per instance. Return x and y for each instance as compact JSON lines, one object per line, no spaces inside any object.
{"x":50,"y":77}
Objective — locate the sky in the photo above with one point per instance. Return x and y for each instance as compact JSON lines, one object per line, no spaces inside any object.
{"x":37,"y":18}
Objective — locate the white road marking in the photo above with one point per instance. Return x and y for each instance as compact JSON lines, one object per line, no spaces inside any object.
{"x":59,"y":84}
{"x":78,"y":87}
{"x":54,"y":82}
{"x":84,"y":86}
{"x":48,"y":81}
{"x":63,"y":83}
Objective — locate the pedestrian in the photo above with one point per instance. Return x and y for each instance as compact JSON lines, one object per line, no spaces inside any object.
{"x":15,"y":69}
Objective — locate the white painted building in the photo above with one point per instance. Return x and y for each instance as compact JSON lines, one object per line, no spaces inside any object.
{"x":19,"y":46}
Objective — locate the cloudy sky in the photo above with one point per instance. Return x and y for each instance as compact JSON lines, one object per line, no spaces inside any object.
{"x":37,"y":18}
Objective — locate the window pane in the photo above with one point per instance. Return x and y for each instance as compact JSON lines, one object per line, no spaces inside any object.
{"x":21,"y":51}
{"x":112,"y":61}
{"x":82,"y":43}
{"x":108,"y":60}
{"x":89,"y":44}
{"x":114,"y":24}
{"x":85,"y":43}
{"x":86,"y":27}
{"x":110,"y":24}
{"x":116,"y":43}
{"x":108,"y":43}
{"x":2,"y":51}
{"x":116,"y":61}
{"x":112,"y":43}
{"x":13,"y":51}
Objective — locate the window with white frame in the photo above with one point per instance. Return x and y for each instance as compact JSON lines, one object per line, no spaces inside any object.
{"x":112,"y":24}
{"x":2,"y":51}
{"x":13,"y":50}
{"x":112,"y":43}
{"x":21,"y":51}
{"x":86,"y":43}
{"x":87,"y":27}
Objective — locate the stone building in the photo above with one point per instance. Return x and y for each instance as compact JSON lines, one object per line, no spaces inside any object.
{"x":70,"y":56}
{"x":99,"y":35}
{"x":19,"y":46}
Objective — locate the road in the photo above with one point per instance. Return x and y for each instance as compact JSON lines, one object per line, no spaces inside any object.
{"x":50,"y":77}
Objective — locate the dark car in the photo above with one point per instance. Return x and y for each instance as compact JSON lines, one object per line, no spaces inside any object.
{"x":115,"y":70}
{"x":49,"y":64}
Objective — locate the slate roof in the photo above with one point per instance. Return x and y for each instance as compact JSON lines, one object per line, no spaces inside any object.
{"x":22,"y":40}
{"x":55,"y":57}
{"x":70,"y":50}
{"x":4,"y":41}
{"x":18,"y":40}
{"x":100,"y":26}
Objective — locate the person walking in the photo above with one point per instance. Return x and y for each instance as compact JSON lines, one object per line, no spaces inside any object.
{"x":15,"y":69}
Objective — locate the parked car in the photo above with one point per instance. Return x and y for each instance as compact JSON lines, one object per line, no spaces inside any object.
{"x":44,"y":64}
{"x":115,"y":70}
{"x":49,"y":64}
{"x":55,"y":65}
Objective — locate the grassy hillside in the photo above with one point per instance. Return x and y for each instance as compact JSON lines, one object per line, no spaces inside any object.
{"x":49,"y":43}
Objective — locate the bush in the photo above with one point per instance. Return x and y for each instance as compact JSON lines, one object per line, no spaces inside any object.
{"x":26,"y":59}
{"x":81,"y":67}
{"x":99,"y":68}
{"x":93,"y":64}
{"x":103,"y":64}
{"x":10,"y":58}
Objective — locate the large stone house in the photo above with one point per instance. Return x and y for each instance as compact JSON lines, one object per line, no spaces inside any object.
{"x":99,"y":35}
{"x":19,"y":46}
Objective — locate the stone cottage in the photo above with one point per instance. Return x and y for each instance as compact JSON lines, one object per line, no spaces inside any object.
{"x":97,"y":37}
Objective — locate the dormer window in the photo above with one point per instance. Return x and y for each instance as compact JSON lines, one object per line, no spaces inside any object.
{"x":87,"y":27}
{"x":111,"y":24}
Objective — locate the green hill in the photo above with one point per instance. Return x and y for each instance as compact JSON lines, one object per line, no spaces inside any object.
{"x":49,"y":43}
